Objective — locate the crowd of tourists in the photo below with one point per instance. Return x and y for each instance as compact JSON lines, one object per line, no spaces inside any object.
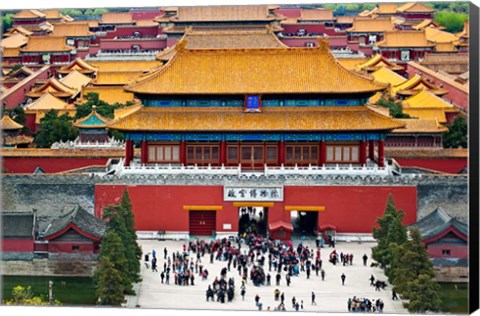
{"x":364,"y":305}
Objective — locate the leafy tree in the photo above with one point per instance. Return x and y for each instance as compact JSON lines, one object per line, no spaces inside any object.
{"x":329,"y":6}
{"x":390,"y":230}
{"x":395,"y":108}
{"x":102,"y":107}
{"x":54,"y":128}
{"x":457,"y":134}
{"x":6,"y":21}
{"x":109,"y":282}
{"x":352,"y":7}
{"x":453,"y":22}
{"x":71,"y":12}
{"x":409,"y":262}
{"x":18,"y":115}
{"x":24,"y":296}
{"x":424,"y":295}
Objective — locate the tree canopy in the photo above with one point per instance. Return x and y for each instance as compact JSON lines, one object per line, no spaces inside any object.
{"x":24,"y":296}
{"x":54,"y":128}
{"x":453,"y":22}
{"x":457,"y":134}
{"x":394,"y":107}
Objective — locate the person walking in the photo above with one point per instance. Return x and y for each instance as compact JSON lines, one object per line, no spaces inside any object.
{"x":322,"y":273}
{"x":282,"y":298}
{"x":242,"y":293}
{"x":313,"y":298}
{"x":165,"y":253}
{"x":288,"y":279}
{"x":365,"y":258}
{"x":394,"y":295}
{"x":278,"y":277}
{"x":268,"y":279}
{"x":294,"y":301}
{"x":276,"y":294}
{"x":257,"y":300}
{"x":372,"y":280}
{"x":162,"y":276}
{"x":343,"y":277}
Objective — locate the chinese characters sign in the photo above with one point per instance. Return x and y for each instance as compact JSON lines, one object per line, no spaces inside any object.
{"x":253,"y":193}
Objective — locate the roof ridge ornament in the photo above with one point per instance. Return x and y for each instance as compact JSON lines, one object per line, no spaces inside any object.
{"x":181,"y":45}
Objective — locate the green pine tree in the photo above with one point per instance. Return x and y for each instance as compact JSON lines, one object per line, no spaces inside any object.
{"x":54,"y":128}
{"x":457,"y":134}
{"x":390,"y":230}
{"x":109,"y":283}
{"x":424,"y":295}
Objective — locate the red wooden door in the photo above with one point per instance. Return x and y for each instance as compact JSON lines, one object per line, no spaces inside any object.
{"x":202,"y":222}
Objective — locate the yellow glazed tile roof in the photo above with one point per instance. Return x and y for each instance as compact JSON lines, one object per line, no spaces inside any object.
{"x":427,"y":114}
{"x":425,"y":99}
{"x":7,"y":123}
{"x":346,"y":19}
{"x":438,"y":36}
{"x":146,"y":23}
{"x":420,"y":126}
{"x":52,"y":14}
{"x":417,"y":83}
{"x":75,"y":80}
{"x":439,"y":76}
{"x":405,"y":39}
{"x":49,"y":102}
{"x":385,"y":75}
{"x":115,"y":77}
{"x":377,"y":62}
{"x":46,"y":44}
{"x":351,"y":63}
{"x":117,"y":18}
{"x":10,"y":52}
{"x":224,"y":13}
{"x":243,"y":71}
{"x":110,"y":94}
{"x":316,"y":15}
{"x":29,"y":14}
{"x":415,"y":7}
{"x":72,"y":30}
{"x":18,"y":30}
{"x":129,"y":66}
{"x":14,"y":41}
{"x":445,"y":47}
{"x":387,"y":8}
{"x":126,"y":111}
{"x":55,"y":87}
{"x":270,"y":119}
{"x":79,"y":65}
{"x":377,"y":25}
{"x":424,"y":24}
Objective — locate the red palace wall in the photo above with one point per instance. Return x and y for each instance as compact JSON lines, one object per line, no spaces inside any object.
{"x":17,"y":245}
{"x":128,"y":44}
{"x":291,"y":13}
{"x":49,"y":165}
{"x":66,"y":247}
{"x":352,"y":209}
{"x":435,"y":251}
{"x":448,"y":165}
{"x":16,"y":94}
{"x":128,"y":31}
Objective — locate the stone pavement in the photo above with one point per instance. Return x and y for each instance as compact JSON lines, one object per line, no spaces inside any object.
{"x":331,"y":296}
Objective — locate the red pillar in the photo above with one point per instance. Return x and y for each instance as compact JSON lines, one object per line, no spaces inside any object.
{"x":363,"y":152}
{"x":144,"y":152}
{"x":322,"y":154}
{"x":381,"y":155}
{"x":128,"y":152}
{"x":371,"y":150}
{"x":183,"y":153}
{"x":223,"y":152}
{"x":281,"y":153}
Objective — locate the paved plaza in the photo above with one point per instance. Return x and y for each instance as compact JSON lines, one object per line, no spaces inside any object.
{"x":331,"y":296}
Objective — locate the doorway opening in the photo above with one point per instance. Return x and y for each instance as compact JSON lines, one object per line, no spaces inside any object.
{"x":253,"y":219}
{"x":304,"y":223}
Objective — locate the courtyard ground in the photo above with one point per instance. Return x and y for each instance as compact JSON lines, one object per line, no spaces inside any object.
{"x":331,"y":296}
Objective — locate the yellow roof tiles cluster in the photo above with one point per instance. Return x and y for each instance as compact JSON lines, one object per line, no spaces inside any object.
{"x":438,"y":36}
{"x":117,"y":18}
{"x":271,"y":119}
{"x":405,"y":39}
{"x":129,"y":66}
{"x":76,"y":80}
{"x":72,"y":30}
{"x":387,"y":8}
{"x":79,"y":65}
{"x":346,"y":19}
{"x":49,"y":102}
{"x":47,"y":44}
{"x":7,"y":123}
{"x":351,"y":63}
{"x":259,"y":38}
{"x":244,"y":71}
{"x":110,"y":94}
{"x":426,"y":99}
{"x":420,"y":126}
{"x":126,"y":111}
{"x":52,"y":14}
{"x":417,"y":83}
{"x":385,"y":75}
{"x":10,"y":52}
{"x":427,"y":114}
{"x":368,"y":25}
{"x":55,"y":87}
{"x":18,"y":30}
{"x":115,"y":77}
{"x":225,"y":13}
{"x":29,"y":14}
{"x":415,"y":7}
{"x":376,"y":62}
{"x":424,"y":24}
{"x":316,"y":15}
{"x":14,"y":41}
